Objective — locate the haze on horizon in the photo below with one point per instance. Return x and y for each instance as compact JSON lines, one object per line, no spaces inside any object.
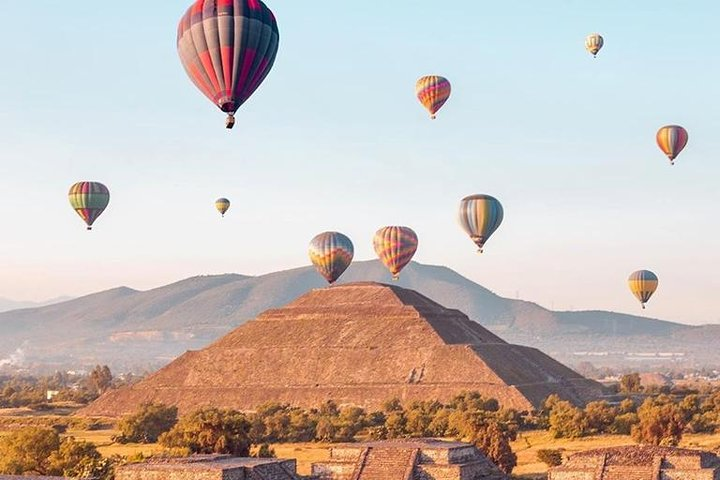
{"x":335,"y":140}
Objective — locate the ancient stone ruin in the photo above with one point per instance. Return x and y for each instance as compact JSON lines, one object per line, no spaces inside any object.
{"x":639,"y":463}
{"x":210,"y":467}
{"x":403,"y":460}
{"x":360,"y":344}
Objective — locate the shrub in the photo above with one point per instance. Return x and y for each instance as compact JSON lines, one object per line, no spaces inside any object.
{"x":211,"y":431}
{"x":147,"y":425}
{"x":550,"y":457}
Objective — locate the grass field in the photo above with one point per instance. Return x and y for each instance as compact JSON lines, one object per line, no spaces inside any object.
{"x":526,"y":448}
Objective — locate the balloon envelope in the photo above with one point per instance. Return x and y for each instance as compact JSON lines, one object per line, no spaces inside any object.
{"x":672,"y":139}
{"x":228,"y":48}
{"x":593,"y":43}
{"x":222,"y":205}
{"x":433,"y":91}
{"x":395,"y":246}
{"x":89,"y":200}
{"x":331,"y":253}
{"x":480,"y":215}
{"x":643,"y":284}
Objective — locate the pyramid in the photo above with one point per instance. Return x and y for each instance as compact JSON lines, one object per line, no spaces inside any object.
{"x":359,"y":344}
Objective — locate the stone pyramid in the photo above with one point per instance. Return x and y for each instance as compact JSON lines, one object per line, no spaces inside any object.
{"x":360,"y":344}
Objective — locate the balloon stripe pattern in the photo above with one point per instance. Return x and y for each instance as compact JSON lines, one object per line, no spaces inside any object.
{"x":593,"y":43}
{"x":480,"y":216}
{"x":222,"y":205}
{"x":331,"y":253}
{"x":228,"y":48}
{"x":643,"y":285}
{"x":89,"y":200}
{"x":395,"y":246}
{"x":433,"y":91}
{"x":672,"y":139}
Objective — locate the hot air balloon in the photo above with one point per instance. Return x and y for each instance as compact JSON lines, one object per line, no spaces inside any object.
{"x":672,"y":140}
{"x":89,"y":199}
{"x":480,"y":216}
{"x":395,"y":246}
{"x":433,"y":91}
{"x":222,"y":205}
{"x":227,"y":48}
{"x":643,"y":284}
{"x":331,"y":253}
{"x":593,"y":43}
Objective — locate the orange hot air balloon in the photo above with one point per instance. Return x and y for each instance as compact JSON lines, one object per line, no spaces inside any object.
{"x":672,"y":139}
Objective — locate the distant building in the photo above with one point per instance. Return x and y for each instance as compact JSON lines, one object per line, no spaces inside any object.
{"x":639,"y":463}
{"x":406,"y":459}
{"x":50,"y":394}
{"x":210,"y":467}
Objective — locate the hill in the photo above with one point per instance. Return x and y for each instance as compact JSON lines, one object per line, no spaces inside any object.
{"x":128,"y":328}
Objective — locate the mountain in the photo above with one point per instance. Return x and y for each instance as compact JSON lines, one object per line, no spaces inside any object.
{"x":7,"y":305}
{"x":127,"y":328}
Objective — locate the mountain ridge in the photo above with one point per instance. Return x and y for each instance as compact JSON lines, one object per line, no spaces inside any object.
{"x":126,"y":327}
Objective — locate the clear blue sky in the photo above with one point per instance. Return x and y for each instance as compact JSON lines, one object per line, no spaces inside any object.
{"x":335,"y":139}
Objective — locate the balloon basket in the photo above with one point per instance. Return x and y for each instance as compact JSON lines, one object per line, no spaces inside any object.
{"x":229,"y":122}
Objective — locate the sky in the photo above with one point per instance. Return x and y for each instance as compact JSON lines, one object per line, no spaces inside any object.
{"x":336,"y":140}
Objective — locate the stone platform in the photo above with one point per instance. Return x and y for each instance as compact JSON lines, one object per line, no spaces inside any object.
{"x":406,"y":460}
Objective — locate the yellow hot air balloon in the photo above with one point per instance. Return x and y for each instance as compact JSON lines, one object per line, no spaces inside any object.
{"x":222,"y":205}
{"x":643,"y":284}
{"x":593,"y":43}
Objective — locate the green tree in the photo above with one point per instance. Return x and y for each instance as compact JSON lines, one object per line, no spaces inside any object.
{"x":566,"y":420}
{"x":550,"y":457}
{"x":599,"y":417}
{"x":100,"y":379}
{"x":622,"y":424}
{"x":28,"y":451}
{"x":494,"y":441}
{"x":146,"y":426}
{"x":264,"y":451}
{"x":630,"y":383}
{"x":659,"y":423}
{"x":211,"y":431}
{"x":79,"y":459}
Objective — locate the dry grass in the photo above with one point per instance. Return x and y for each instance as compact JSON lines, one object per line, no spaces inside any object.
{"x":528,"y":444}
{"x":103,"y":440}
{"x":305,"y":453}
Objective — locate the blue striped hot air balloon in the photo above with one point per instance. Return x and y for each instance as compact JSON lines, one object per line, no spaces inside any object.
{"x":331,"y":253}
{"x":480,"y":216}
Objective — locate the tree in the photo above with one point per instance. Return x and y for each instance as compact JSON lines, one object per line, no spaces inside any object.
{"x":660,"y":423}
{"x":566,"y":420}
{"x":550,"y":457}
{"x":39,"y":451}
{"x":79,"y":459}
{"x":630,"y":383}
{"x":101,"y":378}
{"x":211,"y":431}
{"x":28,"y":451}
{"x":494,"y":442}
{"x":599,"y":416}
{"x":264,"y":451}
{"x":146,"y":426}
